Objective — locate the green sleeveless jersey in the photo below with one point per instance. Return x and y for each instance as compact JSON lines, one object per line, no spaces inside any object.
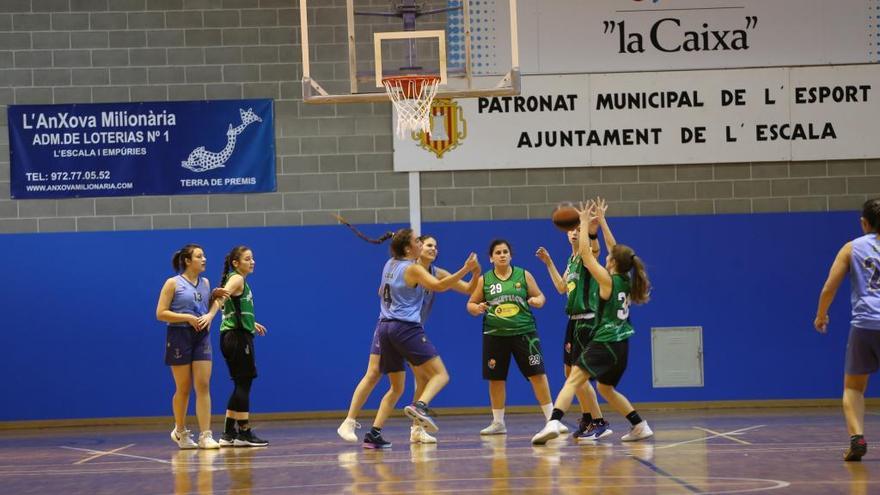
{"x":509,"y":312}
{"x":613,"y":324}
{"x":238,"y":311}
{"x":578,"y":282}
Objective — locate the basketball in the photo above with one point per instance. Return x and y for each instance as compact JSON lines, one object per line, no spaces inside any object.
{"x":565,"y":217}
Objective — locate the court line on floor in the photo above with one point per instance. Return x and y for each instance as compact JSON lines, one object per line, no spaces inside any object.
{"x":667,"y":475}
{"x":102,"y":454}
{"x":723,"y":435}
{"x":741,"y":430}
{"x":92,"y":451}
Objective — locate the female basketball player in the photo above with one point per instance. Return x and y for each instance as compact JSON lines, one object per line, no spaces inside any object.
{"x":399,"y":334}
{"x":237,"y":344}
{"x":621,"y":281}
{"x":184,"y":304}
{"x":861,"y":259}
{"x":505,"y":297}
{"x":581,"y":306}
{"x":373,"y":375}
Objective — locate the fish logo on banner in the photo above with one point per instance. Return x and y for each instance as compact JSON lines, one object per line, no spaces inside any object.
{"x":202,"y":160}
{"x":448,"y":128}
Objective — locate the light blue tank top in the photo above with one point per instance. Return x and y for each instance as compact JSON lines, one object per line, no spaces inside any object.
{"x":399,"y":302}
{"x":864,"y":274}
{"x":428,"y":302}
{"x":190,"y":299}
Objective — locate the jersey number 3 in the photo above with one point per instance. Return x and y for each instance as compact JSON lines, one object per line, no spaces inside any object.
{"x":623,"y":312}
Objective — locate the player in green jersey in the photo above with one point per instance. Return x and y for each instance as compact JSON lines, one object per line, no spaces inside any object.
{"x":581,"y":306}
{"x":237,"y":343}
{"x":504,"y":297}
{"x":621,"y":281}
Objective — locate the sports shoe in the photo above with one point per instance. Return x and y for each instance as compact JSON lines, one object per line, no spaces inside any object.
{"x":227,"y":439}
{"x":563,"y":428}
{"x":496,"y":428}
{"x":206,"y":440}
{"x":375,"y":442}
{"x":599,"y":430}
{"x":246,"y":438}
{"x":346,"y":430}
{"x":417,"y":434}
{"x":183,"y":439}
{"x":549,"y":432}
{"x":582,"y":428}
{"x":420,"y":412}
{"x":638,"y":432}
{"x":857,"y":448}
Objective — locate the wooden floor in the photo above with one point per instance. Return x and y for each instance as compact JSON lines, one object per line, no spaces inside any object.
{"x":738,"y":451}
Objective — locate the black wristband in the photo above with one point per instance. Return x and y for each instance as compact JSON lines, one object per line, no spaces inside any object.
{"x":593,"y":237}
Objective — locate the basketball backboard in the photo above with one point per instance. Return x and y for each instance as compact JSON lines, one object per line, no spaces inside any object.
{"x":353,"y":48}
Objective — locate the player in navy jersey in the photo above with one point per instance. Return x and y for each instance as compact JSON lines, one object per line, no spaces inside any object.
{"x":185,"y":303}
{"x":860,"y":258}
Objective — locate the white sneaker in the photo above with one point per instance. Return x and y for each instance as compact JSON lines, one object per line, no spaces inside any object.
{"x":346,"y":430}
{"x":563,"y":429}
{"x":206,"y":440}
{"x":495,"y":428}
{"x":640,"y":431}
{"x":549,"y":432}
{"x":417,"y":434}
{"x":183,"y":439}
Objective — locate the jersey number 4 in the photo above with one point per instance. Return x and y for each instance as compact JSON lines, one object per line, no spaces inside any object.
{"x":873,"y":264}
{"x":386,"y":295}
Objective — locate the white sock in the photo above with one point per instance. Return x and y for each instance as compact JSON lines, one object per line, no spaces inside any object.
{"x":547,"y":409}
{"x":498,"y":416}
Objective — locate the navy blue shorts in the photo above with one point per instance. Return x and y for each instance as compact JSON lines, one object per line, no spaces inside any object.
{"x":862,"y":352}
{"x":395,"y":341}
{"x":183,"y":345}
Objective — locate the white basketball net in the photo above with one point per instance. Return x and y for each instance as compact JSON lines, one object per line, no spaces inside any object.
{"x":412,"y":99}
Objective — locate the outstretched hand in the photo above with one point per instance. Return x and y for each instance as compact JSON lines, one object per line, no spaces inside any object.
{"x":543,"y":255}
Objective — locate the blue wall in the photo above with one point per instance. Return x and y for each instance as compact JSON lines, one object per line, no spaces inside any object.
{"x":82,"y":339}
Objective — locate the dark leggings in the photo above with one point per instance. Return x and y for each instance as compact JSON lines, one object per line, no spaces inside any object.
{"x":240,"y":399}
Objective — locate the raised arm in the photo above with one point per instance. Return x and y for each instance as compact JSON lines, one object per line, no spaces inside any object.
{"x":416,"y":274}
{"x":601,"y":208}
{"x":476,"y":304}
{"x":595,"y":268}
{"x":838,"y":272}
{"x":536,"y":297}
{"x":558,"y":280}
{"x":461,"y":286}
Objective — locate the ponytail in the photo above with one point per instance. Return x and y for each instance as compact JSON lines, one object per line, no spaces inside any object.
{"x":399,"y":240}
{"x":626,"y":262}
{"x":380,"y":240}
{"x":640,"y":288}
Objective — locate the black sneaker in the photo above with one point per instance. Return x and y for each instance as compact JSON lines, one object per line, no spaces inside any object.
{"x":420,"y":412}
{"x":582,"y":428}
{"x":375,"y":441}
{"x":857,"y":448}
{"x":246,"y":438}
{"x":227,"y":439}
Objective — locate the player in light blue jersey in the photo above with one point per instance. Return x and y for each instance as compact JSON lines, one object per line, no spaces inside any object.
{"x":399,"y":336}
{"x":861,"y":259}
